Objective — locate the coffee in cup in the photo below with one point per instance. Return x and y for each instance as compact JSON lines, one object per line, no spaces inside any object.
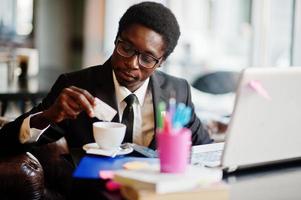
{"x":108,"y":135}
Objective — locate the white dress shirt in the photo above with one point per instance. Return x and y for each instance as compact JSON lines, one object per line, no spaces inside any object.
{"x":143,"y":125}
{"x":27,"y":134}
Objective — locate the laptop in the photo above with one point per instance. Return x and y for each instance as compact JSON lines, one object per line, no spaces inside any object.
{"x":265,"y":126}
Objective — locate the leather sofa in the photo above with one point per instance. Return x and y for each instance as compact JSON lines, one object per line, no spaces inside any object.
{"x":42,"y":173}
{"x":21,"y":177}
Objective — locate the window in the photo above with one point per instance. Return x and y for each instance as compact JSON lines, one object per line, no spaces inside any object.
{"x":273,"y":23}
{"x":16,"y":18}
{"x":24,"y":16}
{"x":215,"y":35}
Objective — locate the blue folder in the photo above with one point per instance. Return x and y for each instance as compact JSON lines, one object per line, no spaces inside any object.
{"x":90,"y":166}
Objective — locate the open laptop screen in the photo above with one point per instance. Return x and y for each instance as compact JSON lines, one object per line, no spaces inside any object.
{"x":265,"y":124}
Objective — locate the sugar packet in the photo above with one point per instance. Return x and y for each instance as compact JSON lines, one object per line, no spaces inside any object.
{"x":103,"y":111}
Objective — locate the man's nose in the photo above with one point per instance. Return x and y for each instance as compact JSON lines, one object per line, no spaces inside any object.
{"x":133,"y":61}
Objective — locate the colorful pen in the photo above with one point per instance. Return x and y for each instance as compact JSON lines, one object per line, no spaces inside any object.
{"x":160,"y":115}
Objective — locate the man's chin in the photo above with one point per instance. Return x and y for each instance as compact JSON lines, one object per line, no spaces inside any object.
{"x":131,"y":86}
{"x":126,"y":84}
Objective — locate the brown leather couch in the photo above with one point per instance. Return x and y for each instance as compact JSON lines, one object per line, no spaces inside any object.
{"x":43,"y":173}
{"x":21,"y":177}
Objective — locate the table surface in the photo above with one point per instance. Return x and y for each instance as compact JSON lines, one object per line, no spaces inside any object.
{"x":30,"y":87}
{"x":24,"y":89}
{"x":276,"y":182}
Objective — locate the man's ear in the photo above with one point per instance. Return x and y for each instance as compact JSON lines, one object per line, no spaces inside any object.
{"x":115,"y":41}
{"x":161,"y":62}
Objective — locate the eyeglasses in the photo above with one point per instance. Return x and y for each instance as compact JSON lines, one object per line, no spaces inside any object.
{"x":126,"y":50}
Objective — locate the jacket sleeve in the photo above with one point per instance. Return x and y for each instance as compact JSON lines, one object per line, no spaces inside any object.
{"x":199,"y":133}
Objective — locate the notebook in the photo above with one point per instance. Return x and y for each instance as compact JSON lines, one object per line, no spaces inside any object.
{"x":265,"y":124}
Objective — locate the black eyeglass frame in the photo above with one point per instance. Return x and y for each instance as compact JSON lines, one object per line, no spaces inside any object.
{"x":136,"y":52}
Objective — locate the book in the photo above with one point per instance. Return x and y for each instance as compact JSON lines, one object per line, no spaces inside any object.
{"x":217,"y":191}
{"x":90,"y":166}
{"x":151,"y":179}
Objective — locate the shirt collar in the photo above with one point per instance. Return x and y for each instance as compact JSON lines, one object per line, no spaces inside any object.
{"x":122,"y":92}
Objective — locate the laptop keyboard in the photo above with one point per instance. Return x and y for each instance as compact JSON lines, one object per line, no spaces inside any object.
{"x":208,"y":159}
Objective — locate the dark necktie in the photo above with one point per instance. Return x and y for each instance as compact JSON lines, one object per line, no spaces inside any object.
{"x":128,"y":117}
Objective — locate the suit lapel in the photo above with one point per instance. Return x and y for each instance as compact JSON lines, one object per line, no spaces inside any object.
{"x":159,"y":95}
{"x":104,"y":89}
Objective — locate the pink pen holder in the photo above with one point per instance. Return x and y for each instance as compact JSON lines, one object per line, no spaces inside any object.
{"x":174,"y":150}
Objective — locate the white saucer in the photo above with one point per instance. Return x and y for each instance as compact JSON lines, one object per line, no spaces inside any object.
{"x":92,"y":148}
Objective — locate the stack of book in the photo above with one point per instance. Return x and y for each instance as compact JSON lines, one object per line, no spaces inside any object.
{"x":149,"y":183}
{"x":218,"y":191}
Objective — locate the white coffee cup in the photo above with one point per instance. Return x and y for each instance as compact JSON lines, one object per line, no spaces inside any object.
{"x":108,"y":135}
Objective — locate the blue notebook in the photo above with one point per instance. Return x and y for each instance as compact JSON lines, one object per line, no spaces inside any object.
{"x":90,"y":166}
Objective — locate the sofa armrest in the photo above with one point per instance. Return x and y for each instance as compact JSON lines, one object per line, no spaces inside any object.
{"x":21,"y":177}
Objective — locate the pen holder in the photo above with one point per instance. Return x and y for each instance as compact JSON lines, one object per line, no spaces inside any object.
{"x":174,"y":150}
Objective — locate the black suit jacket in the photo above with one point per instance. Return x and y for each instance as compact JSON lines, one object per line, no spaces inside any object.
{"x":98,"y":80}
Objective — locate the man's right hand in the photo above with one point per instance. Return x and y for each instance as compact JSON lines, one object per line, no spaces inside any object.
{"x":69,"y":104}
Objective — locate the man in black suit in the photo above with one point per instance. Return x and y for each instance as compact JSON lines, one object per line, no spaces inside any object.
{"x":148,"y":32}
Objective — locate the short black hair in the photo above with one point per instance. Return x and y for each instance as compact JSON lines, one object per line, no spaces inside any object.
{"x":156,"y":17}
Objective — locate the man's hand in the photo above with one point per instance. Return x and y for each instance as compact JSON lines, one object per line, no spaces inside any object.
{"x":217,"y":127}
{"x":69,"y":104}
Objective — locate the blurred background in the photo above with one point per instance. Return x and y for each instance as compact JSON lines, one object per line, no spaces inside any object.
{"x":41,"y":38}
